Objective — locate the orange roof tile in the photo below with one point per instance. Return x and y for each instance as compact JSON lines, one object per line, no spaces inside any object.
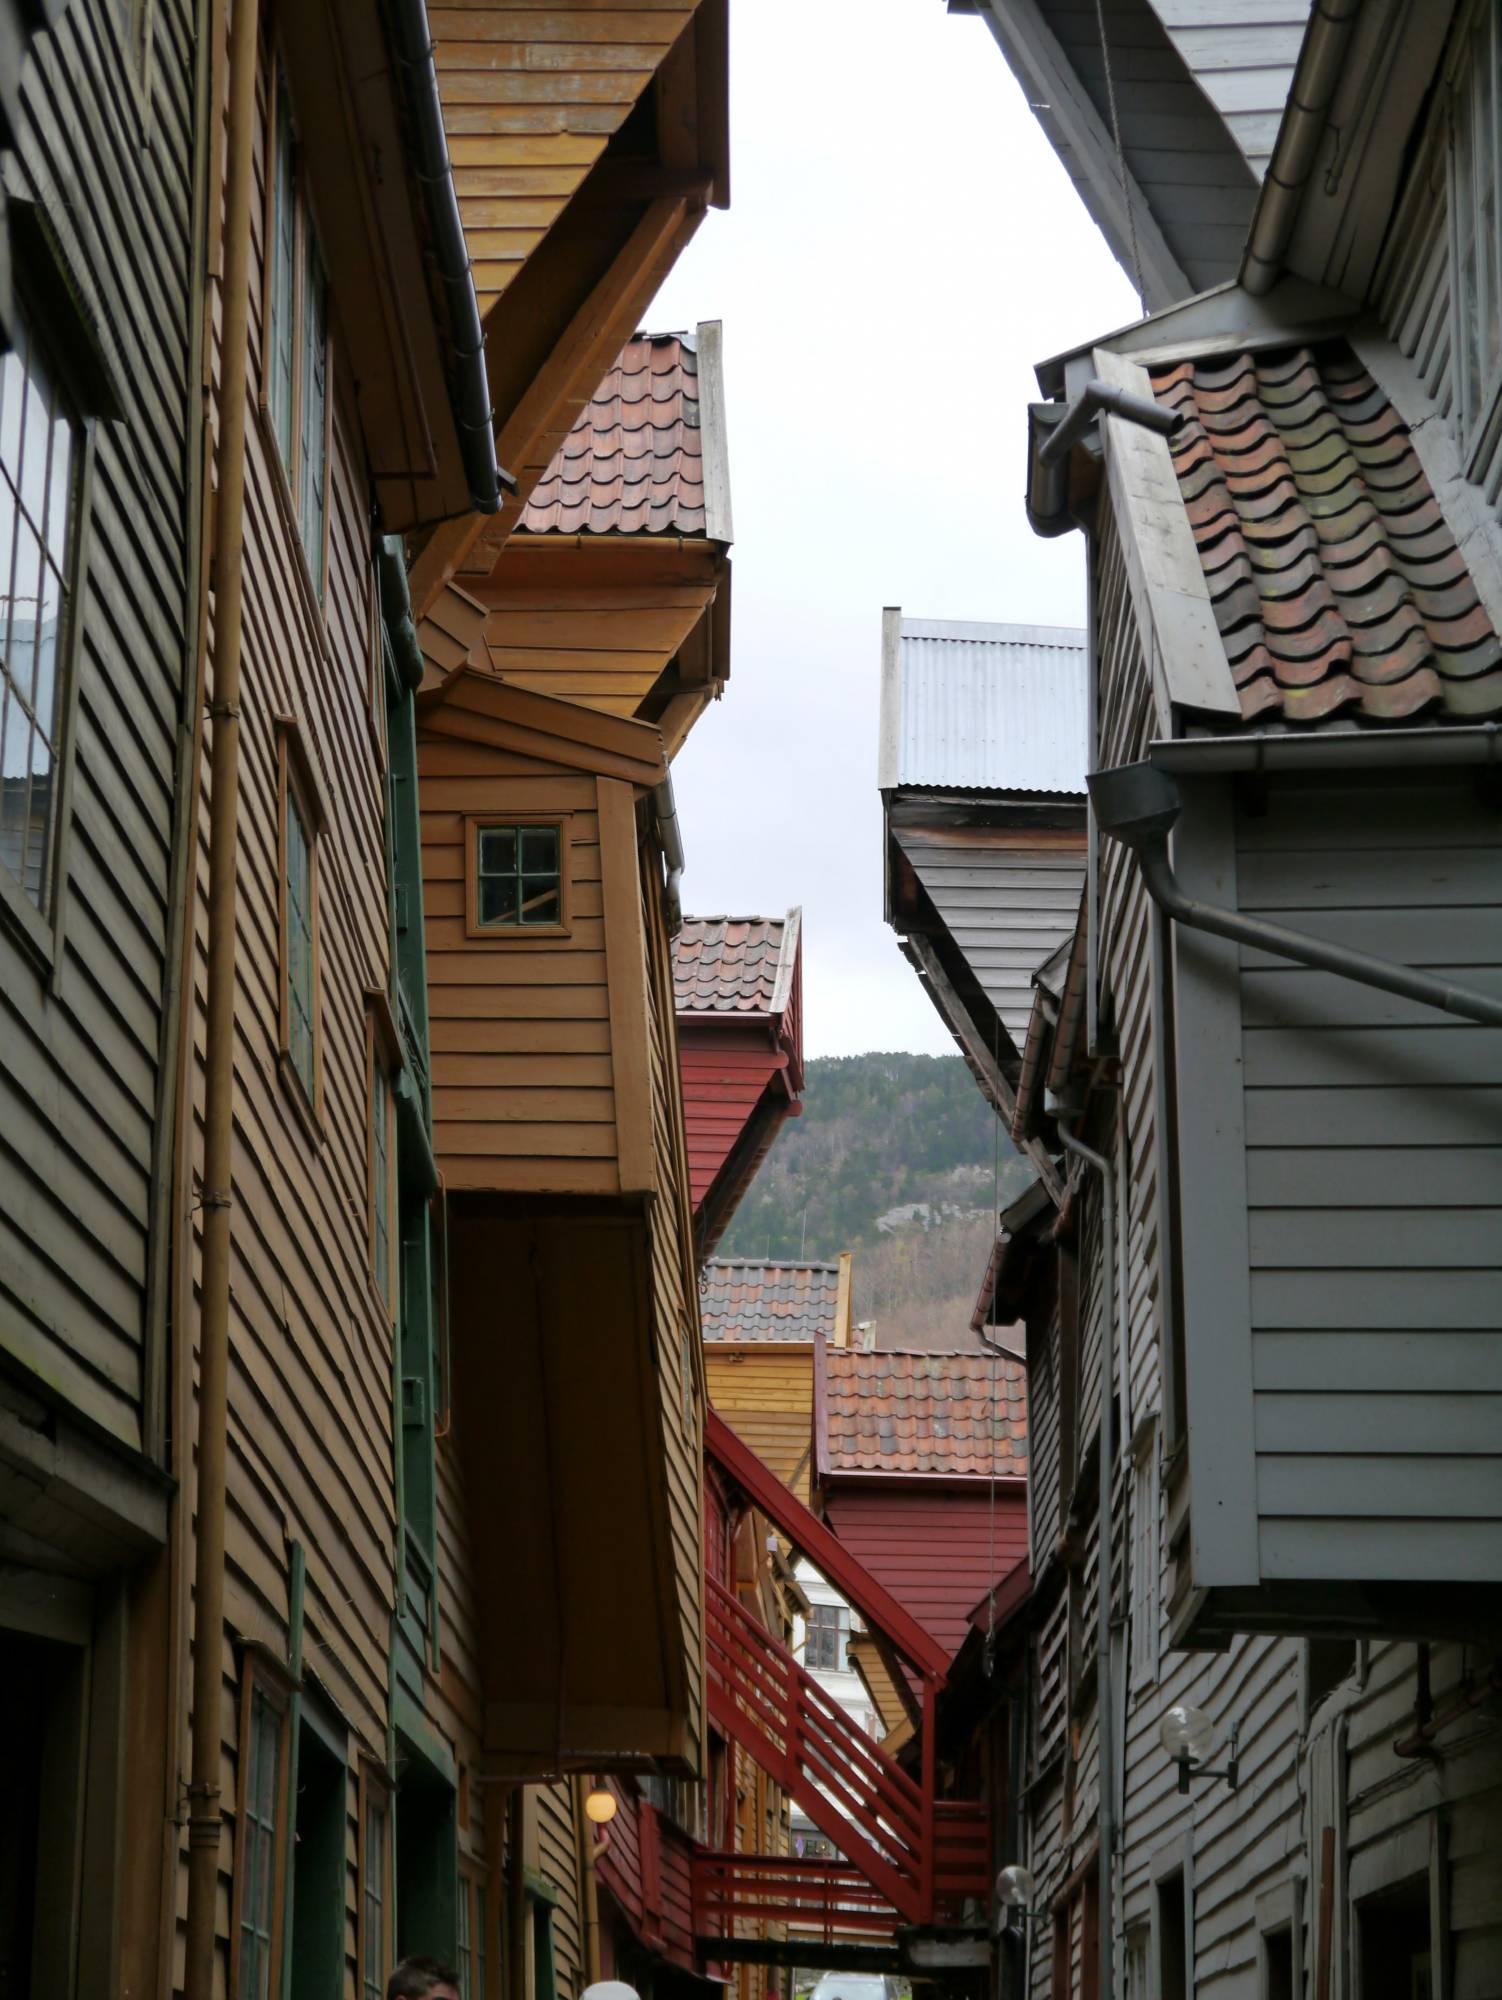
{"x":633,"y":464}
{"x":759,"y":1301}
{"x":731,"y":965}
{"x":1339,"y":590}
{"x":949,"y":1414}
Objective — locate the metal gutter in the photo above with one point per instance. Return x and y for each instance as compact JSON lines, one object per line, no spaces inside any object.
{"x":1321,"y":61}
{"x":671,"y":836}
{"x":1330,"y":750}
{"x":1138,"y":805}
{"x":396,"y":608}
{"x":470,"y":386}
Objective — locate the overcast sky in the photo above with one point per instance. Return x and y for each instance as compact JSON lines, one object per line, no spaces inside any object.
{"x":901,"y":247}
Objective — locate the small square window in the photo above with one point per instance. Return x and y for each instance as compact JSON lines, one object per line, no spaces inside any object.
{"x":518,"y":877}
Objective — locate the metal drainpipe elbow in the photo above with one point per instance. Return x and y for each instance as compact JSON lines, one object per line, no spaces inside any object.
{"x":671,"y":836}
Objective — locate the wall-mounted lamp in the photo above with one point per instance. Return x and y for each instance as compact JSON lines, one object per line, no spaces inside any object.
{"x":1188,"y":1735}
{"x":600,"y":1805}
{"x":1015,"y":1889}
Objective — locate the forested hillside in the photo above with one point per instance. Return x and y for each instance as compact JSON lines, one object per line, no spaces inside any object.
{"x":895,"y":1157}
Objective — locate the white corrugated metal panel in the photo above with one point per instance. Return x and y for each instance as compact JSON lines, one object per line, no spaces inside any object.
{"x":984,"y":708}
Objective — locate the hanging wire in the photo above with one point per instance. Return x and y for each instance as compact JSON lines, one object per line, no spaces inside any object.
{"x":1121,"y":165}
{"x":990,"y":1654}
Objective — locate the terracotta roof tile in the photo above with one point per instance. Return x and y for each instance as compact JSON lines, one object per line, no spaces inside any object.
{"x":754,"y":1301}
{"x":633,"y":463}
{"x":1337,"y":585}
{"x":728,"y":965}
{"x":929,"y":1413}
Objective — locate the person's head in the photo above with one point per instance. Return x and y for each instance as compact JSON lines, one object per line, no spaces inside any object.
{"x":423,"y":1979}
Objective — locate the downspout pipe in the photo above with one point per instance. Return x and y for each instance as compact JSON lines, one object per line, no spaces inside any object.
{"x":1314,"y":84}
{"x":671,"y":835}
{"x":1138,"y":804}
{"x":1104,"y":1714}
{"x":471,"y":383}
{"x":1048,"y":495}
{"x":205,"y":1809}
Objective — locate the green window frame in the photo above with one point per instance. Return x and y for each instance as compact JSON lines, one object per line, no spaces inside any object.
{"x":41,"y":451}
{"x":516,"y":877}
{"x":381,"y":1168}
{"x":299,"y":890}
{"x":465,"y":1952}
{"x":544,"y":1971}
{"x":375,"y":1883}
{"x":294,"y":390}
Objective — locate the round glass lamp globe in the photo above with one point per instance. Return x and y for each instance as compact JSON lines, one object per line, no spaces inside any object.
{"x":1187,"y":1732}
{"x":1014,"y":1887}
{"x":600,"y":1806}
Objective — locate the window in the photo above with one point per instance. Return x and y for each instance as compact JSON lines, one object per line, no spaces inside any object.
{"x":1138,"y":1961}
{"x":262,"y":1720}
{"x":1173,"y":1937}
{"x":382,"y":1056}
{"x":40,"y":440}
{"x":375,"y":1883}
{"x":516,"y":881}
{"x":1277,"y":1964}
{"x":301,"y":821}
{"x":470,"y":1957}
{"x":295,"y":389}
{"x":1145,"y":1562}
{"x":826,"y":1638}
{"x":320,"y":1816}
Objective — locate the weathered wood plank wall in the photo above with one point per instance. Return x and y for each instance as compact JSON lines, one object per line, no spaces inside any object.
{"x":81,"y":1057}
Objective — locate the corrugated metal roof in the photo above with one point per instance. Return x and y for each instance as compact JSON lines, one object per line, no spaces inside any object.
{"x":984,"y":708}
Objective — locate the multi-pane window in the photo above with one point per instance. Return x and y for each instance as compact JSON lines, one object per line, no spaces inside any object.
{"x":39,"y":454}
{"x":471,"y":1939}
{"x":382,"y":1164}
{"x":299,"y":895}
{"x":374,"y":1888}
{"x":517,"y":876}
{"x":296,"y":386}
{"x":826,"y":1638}
{"x":1476,"y":164}
{"x":260,"y":1780}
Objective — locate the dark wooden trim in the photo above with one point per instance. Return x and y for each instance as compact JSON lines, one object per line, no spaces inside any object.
{"x":626,"y":977}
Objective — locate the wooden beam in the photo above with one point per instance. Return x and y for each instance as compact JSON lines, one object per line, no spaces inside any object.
{"x":626,"y":971}
{"x":575,"y":366}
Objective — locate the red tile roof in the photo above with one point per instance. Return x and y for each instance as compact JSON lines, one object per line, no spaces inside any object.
{"x":755,"y":1301}
{"x":733,"y":965}
{"x":1338,"y":587}
{"x":633,"y":464}
{"x":956,"y":1415}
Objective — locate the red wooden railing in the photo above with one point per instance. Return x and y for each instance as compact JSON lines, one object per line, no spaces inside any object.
{"x":917,"y":1856}
{"x":823,"y":1900}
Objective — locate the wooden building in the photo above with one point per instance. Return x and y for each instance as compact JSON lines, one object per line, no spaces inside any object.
{"x":763,"y":1322}
{"x":101,"y":460}
{"x":1260,"y":1377}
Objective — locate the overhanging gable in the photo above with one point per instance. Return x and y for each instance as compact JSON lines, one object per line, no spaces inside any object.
{"x":478,"y":708}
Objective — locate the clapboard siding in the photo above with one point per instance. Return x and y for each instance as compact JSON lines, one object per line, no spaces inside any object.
{"x":936,"y":1550}
{"x":81,"y":1074}
{"x":522,"y":1076}
{"x":1364,"y":1428}
{"x":766,"y":1395}
{"x":1006,"y":897}
{"x":558,"y":1864}
{"x":676,"y":1329}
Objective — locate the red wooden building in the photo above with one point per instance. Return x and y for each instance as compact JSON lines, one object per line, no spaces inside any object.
{"x":921,"y":1470}
{"x":738,"y":990}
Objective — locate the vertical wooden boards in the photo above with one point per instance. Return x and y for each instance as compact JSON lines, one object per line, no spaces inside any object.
{"x":1212,"y":1216}
{"x":626,"y":975}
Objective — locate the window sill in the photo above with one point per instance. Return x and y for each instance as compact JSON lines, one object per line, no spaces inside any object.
{"x":296,"y":1090}
{"x":517,"y":933}
{"x":21,"y":918}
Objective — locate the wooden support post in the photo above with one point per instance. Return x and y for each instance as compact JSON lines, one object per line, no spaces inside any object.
{"x":930,"y":1780}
